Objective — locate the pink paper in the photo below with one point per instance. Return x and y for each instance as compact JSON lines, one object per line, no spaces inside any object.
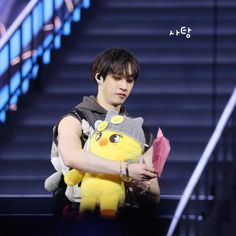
{"x":161,"y":150}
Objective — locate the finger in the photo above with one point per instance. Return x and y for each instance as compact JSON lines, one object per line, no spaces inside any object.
{"x":150,"y":174}
{"x":151,"y":169}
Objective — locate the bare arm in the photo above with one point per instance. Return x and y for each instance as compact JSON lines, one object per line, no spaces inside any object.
{"x":70,"y":149}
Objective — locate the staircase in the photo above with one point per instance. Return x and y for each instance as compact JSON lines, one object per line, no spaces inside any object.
{"x":174,"y":92}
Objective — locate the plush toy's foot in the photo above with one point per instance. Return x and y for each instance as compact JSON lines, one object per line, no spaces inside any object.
{"x":81,"y":216}
{"x":70,"y":212}
{"x":87,"y":215}
{"x":108,"y":214}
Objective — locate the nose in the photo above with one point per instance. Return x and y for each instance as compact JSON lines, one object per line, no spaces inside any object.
{"x":123,"y":85}
{"x":103,"y":141}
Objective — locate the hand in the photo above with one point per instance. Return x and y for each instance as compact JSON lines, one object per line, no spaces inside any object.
{"x":140,"y":172}
{"x":150,"y":187}
{"x":141,"y":187}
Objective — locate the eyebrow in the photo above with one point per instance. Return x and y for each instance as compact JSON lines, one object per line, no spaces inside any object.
{"x":122,"y":74}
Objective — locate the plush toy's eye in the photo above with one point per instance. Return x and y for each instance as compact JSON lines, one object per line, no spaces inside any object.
{"x":98,"y":136}
{"x":115,"y":138}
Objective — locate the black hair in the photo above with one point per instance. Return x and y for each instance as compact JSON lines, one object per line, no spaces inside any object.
{"x":115,"y":61}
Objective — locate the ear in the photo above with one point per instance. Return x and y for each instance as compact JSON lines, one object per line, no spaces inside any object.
{"x":98,"y":78}
{"x":138,"y":121}
{"x":97,"y":122}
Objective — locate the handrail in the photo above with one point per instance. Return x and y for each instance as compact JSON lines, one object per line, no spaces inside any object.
{"x":202,"y":162}
{"x":16,"y":24}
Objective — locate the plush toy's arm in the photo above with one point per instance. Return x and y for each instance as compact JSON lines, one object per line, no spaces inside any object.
{"x":73,"y":177}
{"x":52,"y":182}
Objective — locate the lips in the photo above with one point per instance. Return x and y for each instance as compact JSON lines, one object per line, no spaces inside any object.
{"x":123,"y":95}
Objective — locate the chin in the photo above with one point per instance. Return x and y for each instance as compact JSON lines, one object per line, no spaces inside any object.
{"x":116,"y":104}
{"x":118,"y":101}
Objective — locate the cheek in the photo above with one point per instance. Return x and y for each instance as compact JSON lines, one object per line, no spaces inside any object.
{"x":107,"y":89}
{"x":130,"y":87}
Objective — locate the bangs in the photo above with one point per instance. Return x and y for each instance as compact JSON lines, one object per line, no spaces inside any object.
{"x":125,"y":68}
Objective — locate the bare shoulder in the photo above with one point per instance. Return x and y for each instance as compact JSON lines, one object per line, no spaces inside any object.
{"x":69,"y":133}
{"x":69,"y":127}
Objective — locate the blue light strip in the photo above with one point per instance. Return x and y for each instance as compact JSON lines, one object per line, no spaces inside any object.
{"x":58,"y":3}
{"x":4,"y":59}
{"x":4,"y":96}
{"x":15,"y":45}
{"x":25,"y":86}
{"x":35,"y":71}
{"x":26,"y":33}
{"x":77,"y":15}
{"x":46,"y":56}
{"x":37,"y":18}
{"x":48,"y":10}
{"x":57,"y":42}
{"x":86,"y":3}
{"x":3,"y":116}
{"x":26,"y":67}
{"x":15,"y":82}
{"x":67,"y":28}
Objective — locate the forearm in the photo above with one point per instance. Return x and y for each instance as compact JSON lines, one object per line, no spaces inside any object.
{"x":154,"y":191}
{"x":88,"y":162}
{"x":154,"y":184}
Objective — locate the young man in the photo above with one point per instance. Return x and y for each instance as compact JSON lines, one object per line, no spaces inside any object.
{"x":115,"y":72}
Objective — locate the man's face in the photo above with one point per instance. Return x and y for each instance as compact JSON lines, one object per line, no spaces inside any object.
{"x":116,"y":88}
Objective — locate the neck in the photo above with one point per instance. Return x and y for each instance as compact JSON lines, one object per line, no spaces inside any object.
{"x":101,"y":101}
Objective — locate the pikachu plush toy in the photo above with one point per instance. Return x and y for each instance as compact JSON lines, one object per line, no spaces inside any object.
{"x":117,"y":138}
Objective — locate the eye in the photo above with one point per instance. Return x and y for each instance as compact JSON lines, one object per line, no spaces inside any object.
{"x":98,"y":136}
{"x":130,"y":80}
{"x":115,"y":138}
{"x":117,"y":77}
